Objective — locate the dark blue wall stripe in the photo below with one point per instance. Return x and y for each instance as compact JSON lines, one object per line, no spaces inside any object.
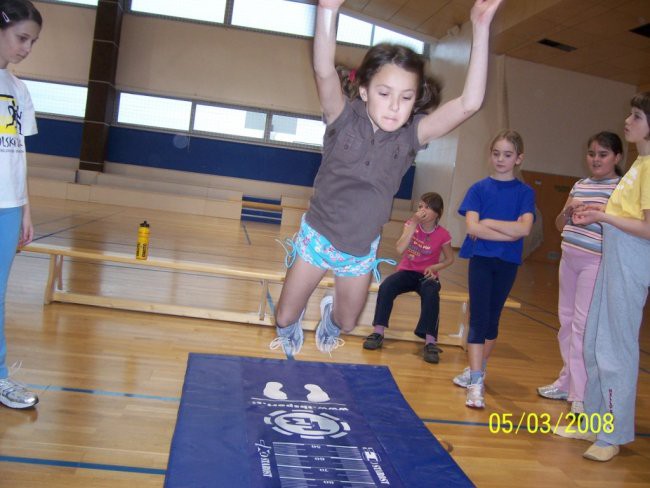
{"x":210,"y":156}
{"x":195,"y":154}
{"x":246,"y":198}
{"x":56,"y":137}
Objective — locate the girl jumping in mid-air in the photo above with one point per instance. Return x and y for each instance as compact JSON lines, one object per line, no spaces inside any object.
{"x":422,"y":243}
{"x":369,"y":144}
{"x":20,"y":25}
{"x":499,"y":212}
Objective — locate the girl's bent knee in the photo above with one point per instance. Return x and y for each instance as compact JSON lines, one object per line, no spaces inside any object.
{"x":285,"y":320}
{"x":347,"y":329}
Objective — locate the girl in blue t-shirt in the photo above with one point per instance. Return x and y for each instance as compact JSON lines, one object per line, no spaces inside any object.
{"x":499,"y":212}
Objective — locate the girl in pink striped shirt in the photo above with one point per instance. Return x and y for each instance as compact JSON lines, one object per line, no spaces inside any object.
{"x":581,"y":254}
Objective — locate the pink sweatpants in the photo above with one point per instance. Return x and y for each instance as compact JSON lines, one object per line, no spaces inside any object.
{"x":578,"y":271}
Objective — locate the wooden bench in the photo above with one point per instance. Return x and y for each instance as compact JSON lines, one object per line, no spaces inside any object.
{"x":54,"y":291}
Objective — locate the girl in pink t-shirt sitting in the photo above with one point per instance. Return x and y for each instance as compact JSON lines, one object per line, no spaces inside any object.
{"x":421,"y":245}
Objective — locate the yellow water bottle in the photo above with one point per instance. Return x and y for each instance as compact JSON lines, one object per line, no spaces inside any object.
{"x":142,"y":249}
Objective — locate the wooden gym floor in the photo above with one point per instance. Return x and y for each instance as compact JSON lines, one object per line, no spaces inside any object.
{"x":110,"y":380}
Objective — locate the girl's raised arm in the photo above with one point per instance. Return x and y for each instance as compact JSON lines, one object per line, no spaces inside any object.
{"x":451,"y":114}
{"x":403,"y":242}
{"x":327,"y":79}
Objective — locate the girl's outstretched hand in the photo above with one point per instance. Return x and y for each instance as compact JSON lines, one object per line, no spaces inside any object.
{"x":483,"y":11}
{"x":587,"y":216}
{"x":331,"y":4}
{"x":594,"y":206}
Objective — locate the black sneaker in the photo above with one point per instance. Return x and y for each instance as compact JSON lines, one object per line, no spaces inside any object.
{"x":373,"y":341}
{"x":431,"y":353}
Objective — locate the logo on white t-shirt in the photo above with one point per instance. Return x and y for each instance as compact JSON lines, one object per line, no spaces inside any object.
{"x":10,"y":115}
{"x":10,"y":125}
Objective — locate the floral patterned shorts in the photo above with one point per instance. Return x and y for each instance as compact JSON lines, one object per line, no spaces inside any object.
{"x":317,"y":250}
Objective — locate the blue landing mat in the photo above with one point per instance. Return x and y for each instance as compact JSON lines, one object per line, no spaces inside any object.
{"x":267,"y":423}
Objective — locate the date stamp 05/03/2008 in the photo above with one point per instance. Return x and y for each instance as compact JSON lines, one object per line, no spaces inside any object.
{"x":543,"y":423}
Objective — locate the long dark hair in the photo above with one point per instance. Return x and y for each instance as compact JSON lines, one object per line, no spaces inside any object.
{"x":429,"y":88}
{"x":14,"y":11}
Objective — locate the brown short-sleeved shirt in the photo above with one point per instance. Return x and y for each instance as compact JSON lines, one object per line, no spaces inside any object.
{"x":360,"y":173}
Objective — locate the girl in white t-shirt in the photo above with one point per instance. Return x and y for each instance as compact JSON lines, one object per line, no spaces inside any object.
{"x":421,"y":245}
{"x":20,"y":26}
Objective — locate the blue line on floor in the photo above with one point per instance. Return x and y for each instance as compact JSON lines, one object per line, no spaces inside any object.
{"x":523,"y":428}
{"x":177,"y":399}
{"x":455,"y":422}
{"x":105,"y":393}
{"x":77,"y":464}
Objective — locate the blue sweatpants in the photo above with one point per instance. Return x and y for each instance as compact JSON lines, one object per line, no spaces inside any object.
{"x":10,"y":221}
{"x":489,"y":281}
{"x":611,"y":346}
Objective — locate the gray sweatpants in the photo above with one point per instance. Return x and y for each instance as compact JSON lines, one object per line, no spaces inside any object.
{"x":611,"y":344}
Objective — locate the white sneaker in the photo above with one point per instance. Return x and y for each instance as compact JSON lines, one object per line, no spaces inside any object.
{"x":16,"y":395}
{"x":476,"y":395}
{"x":463,"y":379}
{"x":290,"y":338}
{"x":327,"y":334}
{"x":552,"y":392}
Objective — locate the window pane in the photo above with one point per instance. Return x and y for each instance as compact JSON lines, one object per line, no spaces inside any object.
{"x":275,"y":15}
{"x":354,"y":31}
{"x":385,"y":35}
{"x":58,"y":99}
{"x":231,"y":121}
{"x":166,"y":113}
{"x":204,"y":10}
{"x":80,"y":2}
{"x":300,"y":131}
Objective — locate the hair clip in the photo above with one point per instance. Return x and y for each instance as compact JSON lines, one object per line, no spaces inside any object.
{"x":5,"y":17}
